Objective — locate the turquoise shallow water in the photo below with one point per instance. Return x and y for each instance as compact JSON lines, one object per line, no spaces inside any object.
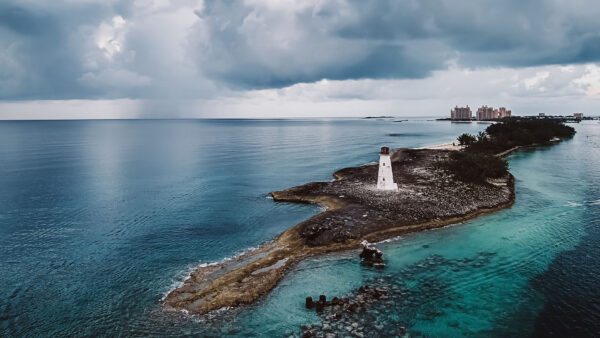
{"x":99,"y":219}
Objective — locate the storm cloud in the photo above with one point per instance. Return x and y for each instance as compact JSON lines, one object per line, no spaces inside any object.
{"x":188,"y":49}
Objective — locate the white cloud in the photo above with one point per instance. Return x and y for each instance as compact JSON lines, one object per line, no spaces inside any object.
{"x":590,"y":81}
{"x":110,"y":36}
{"x":536,"y":80}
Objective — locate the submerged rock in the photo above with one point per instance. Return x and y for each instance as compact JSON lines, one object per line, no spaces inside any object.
{"x":343,"y":315}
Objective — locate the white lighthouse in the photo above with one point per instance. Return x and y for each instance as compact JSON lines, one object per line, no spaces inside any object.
{"x":385,"y":178}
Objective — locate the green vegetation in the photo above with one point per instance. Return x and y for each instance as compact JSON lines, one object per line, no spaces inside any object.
{"x":515,"y":132}
{"x":466,"y":139}
{"x":477,"y":162}
{"x":476,"y":168}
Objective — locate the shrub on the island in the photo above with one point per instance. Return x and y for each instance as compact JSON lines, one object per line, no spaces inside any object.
{"x":474,"y":167}
{"x":526,"y":131}
{"x":518,"y":132}
{"x":466,"y":139}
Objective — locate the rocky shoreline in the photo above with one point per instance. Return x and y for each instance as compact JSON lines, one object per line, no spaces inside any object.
{"x":427,"y":198}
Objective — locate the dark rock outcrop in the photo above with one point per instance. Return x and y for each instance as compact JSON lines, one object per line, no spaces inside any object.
{"x":371,"y":255}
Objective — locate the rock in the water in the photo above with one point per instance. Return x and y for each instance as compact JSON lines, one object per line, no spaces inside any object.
{"x":371,"y":255}
{"x":308,"y":334}
{"x":340,"y":315}
{"x":309,"y":302}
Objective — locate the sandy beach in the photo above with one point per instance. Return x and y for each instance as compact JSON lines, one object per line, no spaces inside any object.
{"x":444,"y":146}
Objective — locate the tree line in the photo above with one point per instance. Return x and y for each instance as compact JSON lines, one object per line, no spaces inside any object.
{"x":477,"y":162}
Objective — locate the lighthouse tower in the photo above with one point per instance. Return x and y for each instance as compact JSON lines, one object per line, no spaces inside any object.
{"x":385,"y":178}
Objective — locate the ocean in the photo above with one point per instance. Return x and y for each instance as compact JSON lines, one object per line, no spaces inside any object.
{"x":100,"y":219}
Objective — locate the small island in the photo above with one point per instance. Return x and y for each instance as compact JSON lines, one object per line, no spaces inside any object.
{"x":435,"y":187}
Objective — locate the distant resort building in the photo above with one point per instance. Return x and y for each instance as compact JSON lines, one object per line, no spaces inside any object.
{"x":483,"y":113}
{"x":502,"y":113}
{"x":575,"y":117}
{"x":489,"y":113}
{"x":461,"y":113}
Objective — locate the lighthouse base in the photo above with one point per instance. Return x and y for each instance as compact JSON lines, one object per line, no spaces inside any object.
{"x":388,"y":187}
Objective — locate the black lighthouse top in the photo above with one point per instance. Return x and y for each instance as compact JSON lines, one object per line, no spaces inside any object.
{"x":385,"y":151}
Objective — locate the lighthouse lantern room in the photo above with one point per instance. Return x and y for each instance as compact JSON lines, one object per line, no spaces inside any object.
{"x":385,"y":177}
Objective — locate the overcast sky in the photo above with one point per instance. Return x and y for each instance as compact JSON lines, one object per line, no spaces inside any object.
{"x":291,"y":58}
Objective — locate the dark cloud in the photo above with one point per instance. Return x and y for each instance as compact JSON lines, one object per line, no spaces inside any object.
{"x":43,"y":50}
{"x":50,"y":51}
{"x":22,"y":21}
{"x":262,"y":48}
{"x":404,"y":39}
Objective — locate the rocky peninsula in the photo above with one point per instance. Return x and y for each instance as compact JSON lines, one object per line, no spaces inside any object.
{"x":437,"y":186}
{"x":428,"y":197}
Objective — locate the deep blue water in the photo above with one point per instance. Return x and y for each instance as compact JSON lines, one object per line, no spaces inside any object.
{"x":99,"y":219}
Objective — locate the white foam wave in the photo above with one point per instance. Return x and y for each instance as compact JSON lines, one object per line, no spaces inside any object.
{"x":390,"y":240}
{"x":181,"y":278}
{"x":575,"y":204}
